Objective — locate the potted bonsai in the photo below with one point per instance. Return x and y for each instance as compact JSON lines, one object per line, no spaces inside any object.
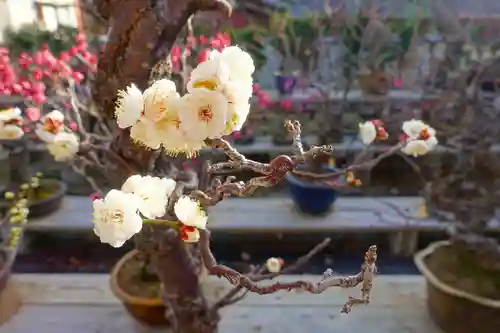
{"x":12,"y":224}
{"x":142,"y":195}
{"x":47,"y":196}
{"x":308,"y":188}
{"x":463,"y":273}
{"x":373,"y":48}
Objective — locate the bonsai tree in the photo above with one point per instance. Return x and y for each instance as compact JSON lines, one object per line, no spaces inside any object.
{"x":463,"y":273}
{"x":140,"y":133}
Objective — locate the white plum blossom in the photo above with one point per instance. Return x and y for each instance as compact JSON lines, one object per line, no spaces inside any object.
{"x":159,"y":98}
{"x":129,"y":106}
{"x":239,"y":62}
{"x":236,"y":116}
{"x":273,"y":265}
{"x":173,"y":137}
{"x":203,"y":115}
{"x":50,"y":125}
{"x":211,"y":75}
{"x":64,"y":146}
{"x":421,"y":138}
{"x":190,"y":213}
{"x":416,"y":148}
{"x":367,"y":132}
{"x":152,"y":192}
{"x":8,"y":114}
{"x":416,"y":128}
{"x":115,"y":218}
{"x":145,"y":133}
{"x":10,"y":132}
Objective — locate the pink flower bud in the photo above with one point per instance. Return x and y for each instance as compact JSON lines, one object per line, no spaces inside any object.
{"x":32,"y":113}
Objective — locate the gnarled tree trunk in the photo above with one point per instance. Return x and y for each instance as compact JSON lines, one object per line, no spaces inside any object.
{"x":141,"y":35}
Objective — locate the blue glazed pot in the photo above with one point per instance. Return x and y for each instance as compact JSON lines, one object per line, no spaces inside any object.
{"x":285,"y":83}
{"x":311,"y":198}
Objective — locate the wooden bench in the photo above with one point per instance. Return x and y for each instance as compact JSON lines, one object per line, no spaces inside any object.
{"x":279,"y":215}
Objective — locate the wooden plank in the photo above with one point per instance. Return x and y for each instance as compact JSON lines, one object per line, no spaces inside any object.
{"x":238,"y":318}
{"x":270,"y":214}
{"x":93,"y":289}
{"x":264,"y":144}
{"x":82,"y":303}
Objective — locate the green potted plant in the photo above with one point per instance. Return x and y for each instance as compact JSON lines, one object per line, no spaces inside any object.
{"x":373,"y":49}
{"x":12,"y":223}
{"x":296,"y":40}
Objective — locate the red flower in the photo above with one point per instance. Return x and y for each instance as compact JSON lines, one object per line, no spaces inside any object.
{"x":184,"y":231}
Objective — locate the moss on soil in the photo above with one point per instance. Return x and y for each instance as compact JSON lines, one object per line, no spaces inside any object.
{"x":459,"y":270}
{"x":131,"y":280}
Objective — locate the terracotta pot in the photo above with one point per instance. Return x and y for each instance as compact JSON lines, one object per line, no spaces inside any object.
{"x":376,"y":83}
{"x":149,"y":311}
{"x":454,"y":310}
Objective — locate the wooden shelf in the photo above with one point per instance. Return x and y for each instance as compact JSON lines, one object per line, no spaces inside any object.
{"x":272,"y":214}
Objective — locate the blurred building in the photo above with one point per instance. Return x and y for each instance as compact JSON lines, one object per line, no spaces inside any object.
{"x":49,"y":14}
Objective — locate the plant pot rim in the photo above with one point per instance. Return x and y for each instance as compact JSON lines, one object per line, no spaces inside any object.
{"x":120,"y":293}
{"x":61,"y":191}
{"x":297,"y":181}
{"x":419,"y":259}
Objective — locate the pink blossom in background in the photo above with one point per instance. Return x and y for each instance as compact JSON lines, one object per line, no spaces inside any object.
{"x":237,"y":134}
{"x":202,"y":40}
{"x":286,"y":104}
{"x":255,"y":88}
{"x":41,"y":65}
{"x":263,"y":99}
{"x":33,"y":114}
{"x":73,"y":126}
{"x":203,"y":55}
{"x":398,"y":83}
{"x":95,"y":196}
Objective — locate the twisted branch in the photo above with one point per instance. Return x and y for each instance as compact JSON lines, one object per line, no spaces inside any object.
{"x":364,"y":277}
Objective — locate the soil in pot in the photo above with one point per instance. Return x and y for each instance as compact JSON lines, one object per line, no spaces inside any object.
{"x":140,"y":293}
{"x":453,"y":312}
{"x":460,"y":271}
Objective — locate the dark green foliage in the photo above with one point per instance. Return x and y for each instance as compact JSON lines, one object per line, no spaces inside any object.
{"x":30,"y":38}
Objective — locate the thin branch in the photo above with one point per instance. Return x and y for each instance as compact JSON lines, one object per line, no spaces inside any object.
{"x":364,"y":277}
{"x":257,"y":275}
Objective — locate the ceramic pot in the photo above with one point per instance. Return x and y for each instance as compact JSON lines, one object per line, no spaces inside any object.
{"x":148,"y":311}
{"x":285,"y":84}
{"x":375,"y":83}
{"x":310,"y":198}
{"x":454,"y":310}
{"x":47,"y":204}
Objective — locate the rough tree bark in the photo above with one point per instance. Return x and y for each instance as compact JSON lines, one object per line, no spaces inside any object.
{"x":141,"y":35}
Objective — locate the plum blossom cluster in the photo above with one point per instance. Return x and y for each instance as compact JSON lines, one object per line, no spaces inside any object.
{"x":29,"y":75}
{"x":217,"y":103}
{"x":417,"y":139}
{"x":62,"y":143}
{"x":142,"y":199}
